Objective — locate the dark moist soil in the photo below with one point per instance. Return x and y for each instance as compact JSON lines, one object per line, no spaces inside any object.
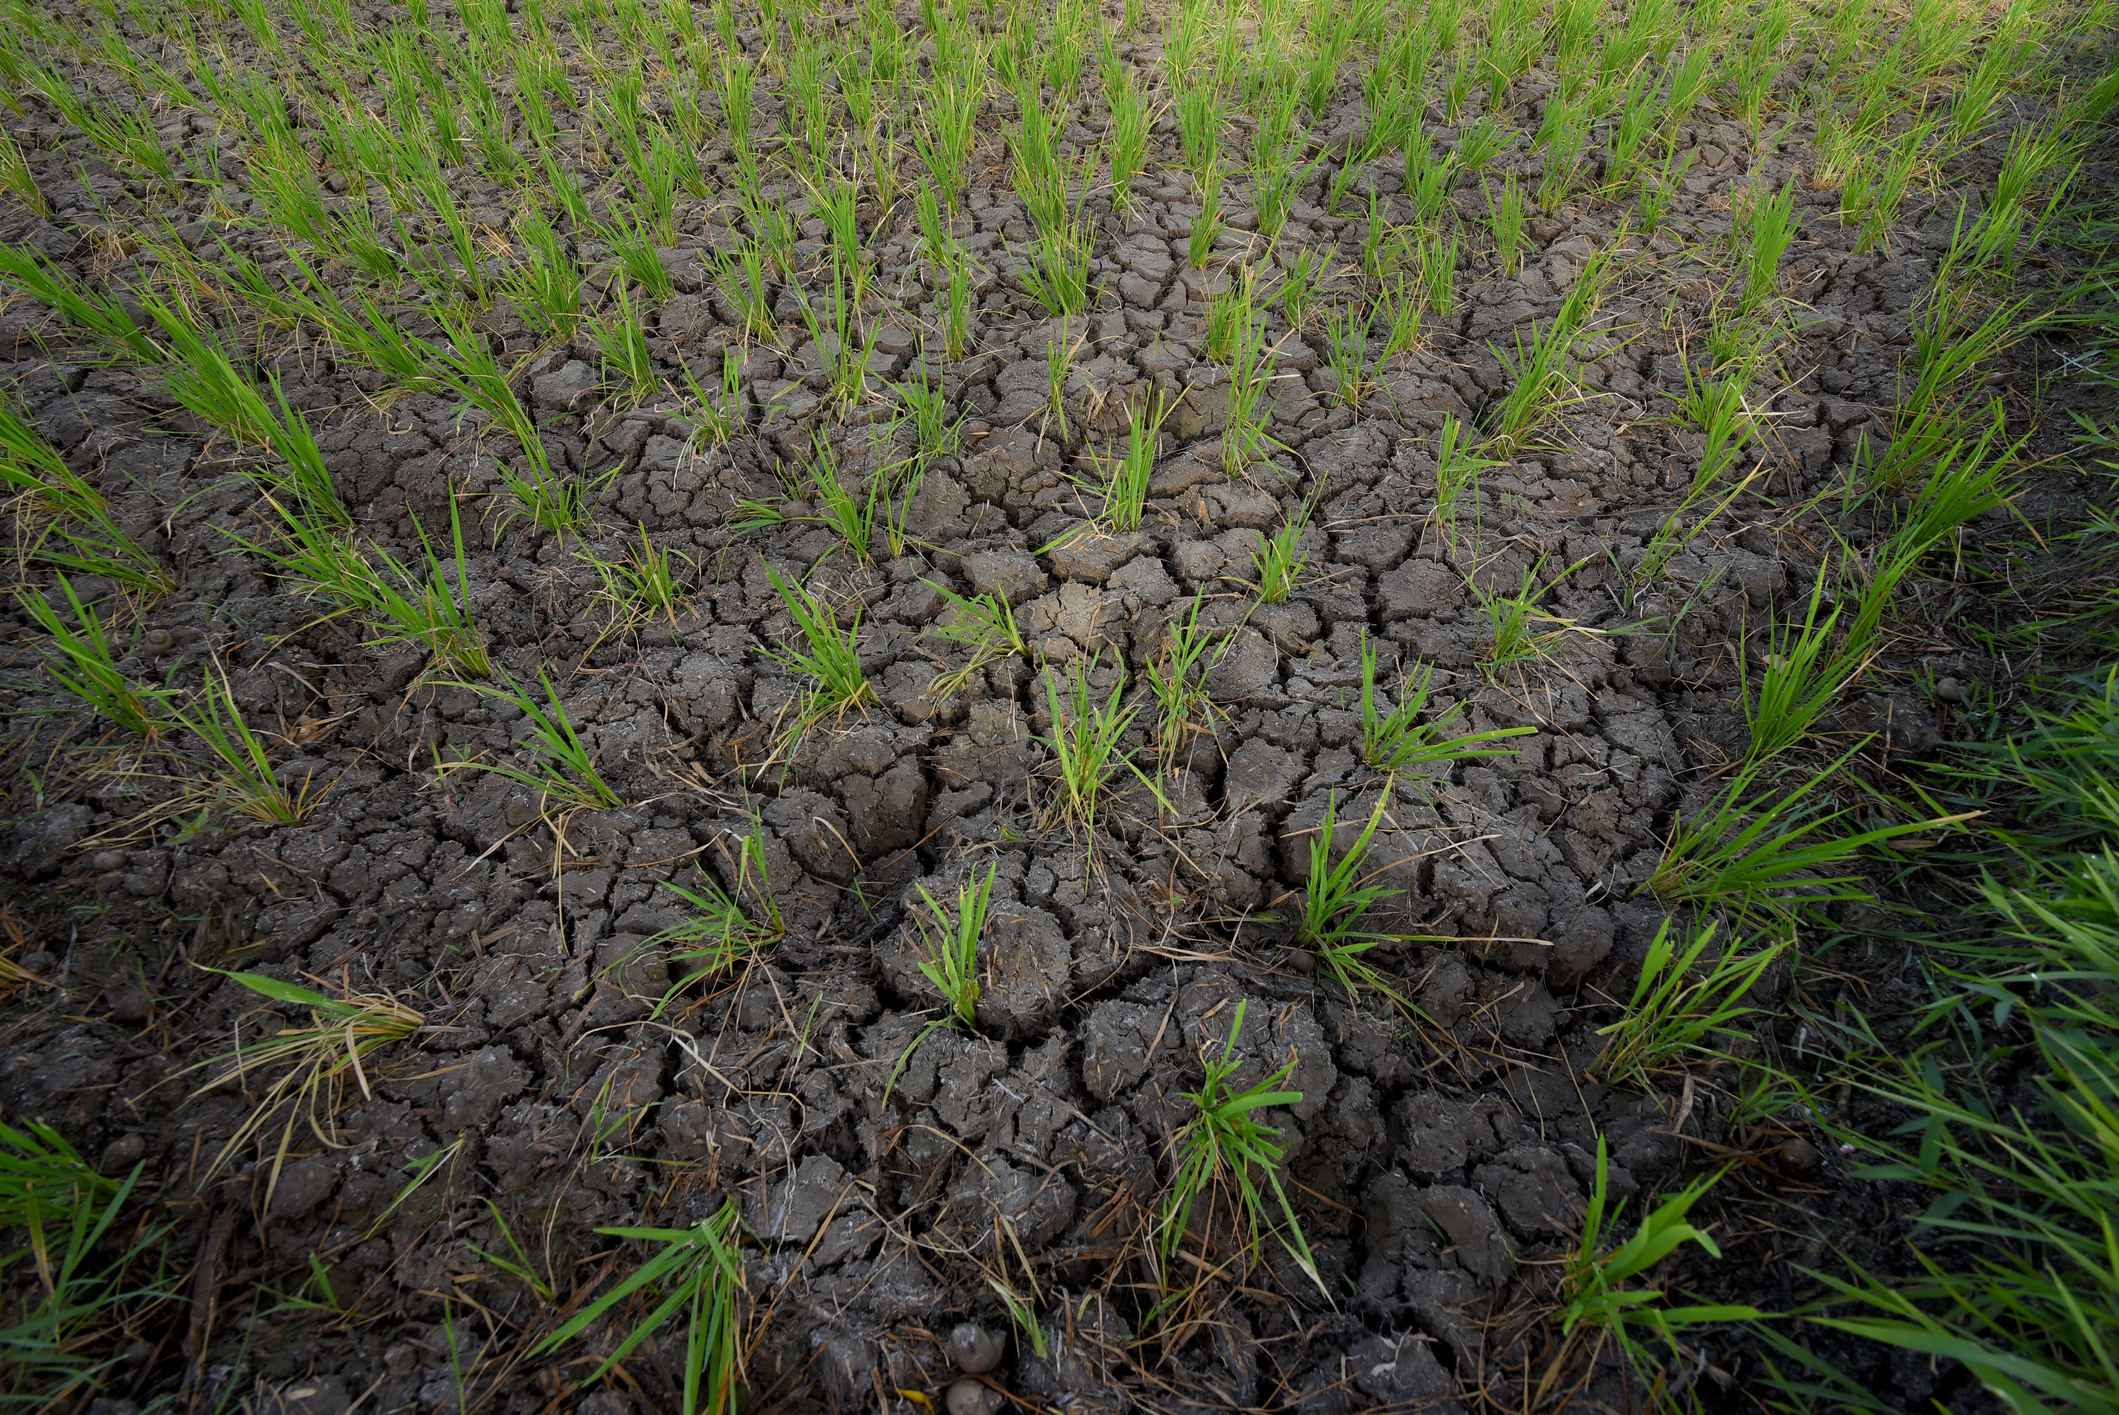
{"x":1439,"y":1168}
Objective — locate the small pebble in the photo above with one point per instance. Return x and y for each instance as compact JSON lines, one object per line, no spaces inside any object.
{"x":122,"y":1153}
{"x":1796,"y":1154}
{"x":1950,"y":690}
{"x":974,"y":1349}
{"x":968,"y":1397}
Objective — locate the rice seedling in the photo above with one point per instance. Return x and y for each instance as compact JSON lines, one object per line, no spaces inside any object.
{"x":1949,"y":347}
{"x":16,"y":177}
{"x":1462,"y":82}
{"x":825,"y":654}
{"x":425,"y":602}
{"x":1965,"y":480}
{"x":1513,"y":619}
{"x":125,"y":131}
{"x":1087,"y":744}
{"x":695,"y":1274}
{"x":1599,"y":1281}
{"x":1689,"y":79}
{"x":1059,"y":363}
{"x":561,"y":767}
{"x":637,"y":247}
{"x":1760,"y":65}
{"x":1126,"y":477}
{"x":843,"y":339}
{"x":1435,"y":266}
{"x":646,"y":583}
{"x":950,"y":941}
{"x":1346,"y":353}
{"x":1177,"y":678}
{"x":1717,"y":408}
{"x":1505,"y":217}
{"x":1278,"y":560}
{"x":1800,"y":679}
{"x":1274,"y":183}
{"x":719,"y":931}
{"x":292,"y":195}
{"x":1126,"y":147}
{"x":1320,"y":75}
{"x":244,"y":777}
{"x":439,"y":198}
{"x":947,"y":131}
{"x":1877,"y":188}
{"x":1337,"y":900}
{"x":1681,"y":526}
{"x":983,"y":627}
{"x":1298,"y":286}
{"x":715,"y":416}
{"x":1231,"y":316}
{"x":1375,"y":238}
{"x":1401,"y":308}
{"x":201,"y":377}
{"x":1985,"y":88}
{"x":934,"y":433}
{"x":470,"y":369}
{"x":1022,"y":1315}
{"x":1587,"y":293}
{"x":738,"y":87}
{"x":1428,"y":177}
{"x":621,"y":342}
{"x":849,"y":510}
{"x":2009,"y":218}
{"x":1538,"y":375}
{"x":1206,"y":222}
{"x":1037,"y":170}
{"x":1408,"y":735}
{"x":1199,"y":121}
{"x":1481,"y":141}
{"x":1514,"y":39}
{"x":86,"y":663}
{"x":1680,"y":1012}
{"x":957,"y":296}
{"x":2097,"y":100}
{"x":739,"y":274}
{"x":551,"y":500}
{"x":83,"y":1296}
{"x":1657,"y":190}
{"x":299,"y":472}
{"x":1245,"y":437}
{"x":1457,"y":469}
{"x":61,"y":518}
{"x":1640,"y":118}
{"x":1353,"y":158}
{"x":1769,"y":227}
{"x":1771,"y":857}
{"x":299,"y":1072}
{"x":837,"y":204}
{"x":1225,"y":1144}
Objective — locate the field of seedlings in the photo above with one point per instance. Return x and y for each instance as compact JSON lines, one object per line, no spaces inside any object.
{"x":1059,"y":705}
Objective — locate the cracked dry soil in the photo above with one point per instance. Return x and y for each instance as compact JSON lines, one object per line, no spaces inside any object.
{"x":1439,"y":1159}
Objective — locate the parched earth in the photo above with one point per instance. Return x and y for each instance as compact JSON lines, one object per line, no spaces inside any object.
{"x":1440,"y":1156}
